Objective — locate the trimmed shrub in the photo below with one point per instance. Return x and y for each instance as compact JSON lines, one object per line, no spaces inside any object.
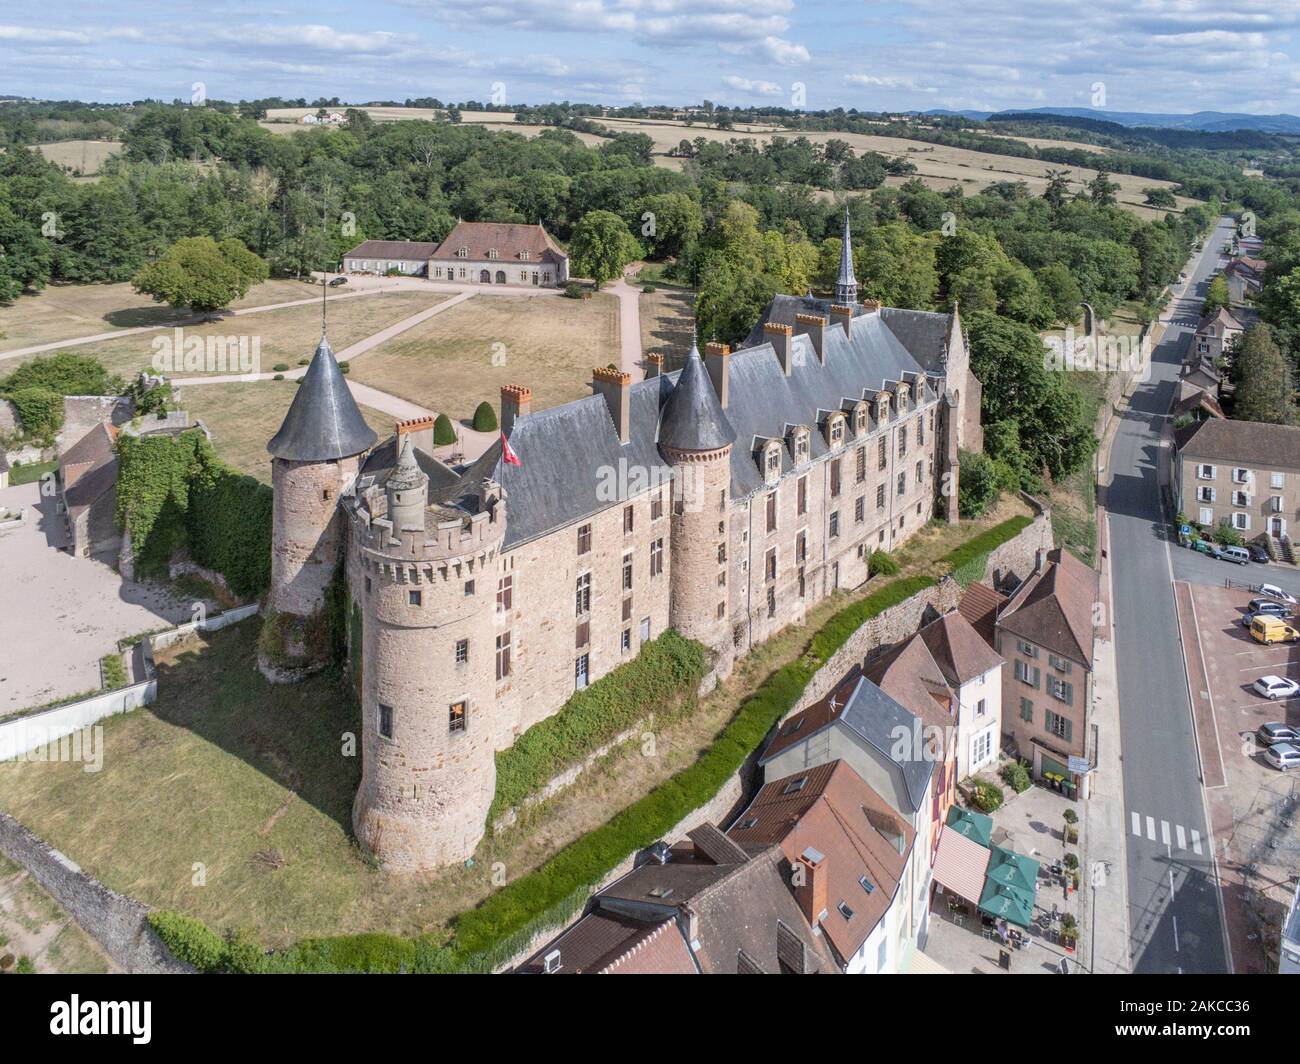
{"x":573,"y":290}
{"x":189,"y":940}
{"x":485,"y":418}
{"x":278,"y":377}
{"x":443,"y":431}
{"x":280,"y":367}
{"x":1016,"y":776}
{"x":345,"y":367}
{"x":879,"y":563}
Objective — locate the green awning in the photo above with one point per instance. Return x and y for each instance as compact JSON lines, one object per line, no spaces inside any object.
{"x":1010,"y":886}
{"x":975,"y":826}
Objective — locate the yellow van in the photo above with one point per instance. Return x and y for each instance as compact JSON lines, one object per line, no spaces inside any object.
{"x":1268,"y":630}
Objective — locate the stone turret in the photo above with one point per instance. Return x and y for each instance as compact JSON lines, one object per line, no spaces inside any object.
{"x":423,"y":570}
{"x":696,"y":437}
{"x":315,"y":458}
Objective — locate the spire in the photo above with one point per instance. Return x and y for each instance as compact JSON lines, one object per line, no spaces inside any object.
{"x":692,"y":417}
{"x":846,"y":288}
{"x":323,"y":422}
{"x":406,"y":474}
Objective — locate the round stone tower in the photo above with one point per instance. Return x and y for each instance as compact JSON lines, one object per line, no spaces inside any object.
{"x":315,"y":458}
{"x":427,"y":587}
{"x":695,"y":437}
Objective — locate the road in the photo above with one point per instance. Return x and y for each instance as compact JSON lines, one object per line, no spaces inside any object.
{"x":1174,"y":911}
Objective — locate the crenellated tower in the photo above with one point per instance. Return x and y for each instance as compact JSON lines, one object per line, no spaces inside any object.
{"x":424,"y":577}
{"x":315,"y":458}
{"x":695,"y":437}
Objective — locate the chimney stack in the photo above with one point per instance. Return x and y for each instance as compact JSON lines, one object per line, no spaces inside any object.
{"x":814,"y":327}
{"x":811,"y":894}
{"x":871,"y":305}
{"x":781,"y":339}
{"x":654,"y":365}
{"x":420,"y":429}
{"x":842,"y":314}
{"x":516,"y":402}
{"x":717,"y":359}
{"x":616,"y":387}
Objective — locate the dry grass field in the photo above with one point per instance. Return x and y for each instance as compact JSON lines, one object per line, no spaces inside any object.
{"x":34,"y":926}
{"x":459,"y":358}
{"x":83,"y":157}
{"x":66,"y":311}
{"x":243,"y":415}
{"x":285,"y":335}
{"x":667,"y":318}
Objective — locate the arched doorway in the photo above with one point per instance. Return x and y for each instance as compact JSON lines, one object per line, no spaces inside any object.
{"x":485,"y":277}
{"x":501,"y":276}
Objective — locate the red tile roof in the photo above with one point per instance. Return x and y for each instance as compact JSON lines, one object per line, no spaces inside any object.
{"x":958,"y":648}
{"x":980,"y":605}
{"x":1054,"y":607}
{"x":910,"y":676}
{"x":508,"y":239}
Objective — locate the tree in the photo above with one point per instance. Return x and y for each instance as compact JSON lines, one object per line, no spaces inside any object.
{"x":1279,"y":304}
{"x":1101,"y":189}
{"x":485,"y":418}
{"x":201,"y":274}
{"x":1264,"y":387}
{"x":444,"y":432}
{"x":1160,"y":197}
{"x":602,"y":246}
{"x":1060,"y":291}
{"x":1217,"y":296}
{"x":977,"y":486}
{"x":1058,"y":187}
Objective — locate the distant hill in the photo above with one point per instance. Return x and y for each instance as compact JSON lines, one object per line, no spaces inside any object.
{"x":1201,"y":121}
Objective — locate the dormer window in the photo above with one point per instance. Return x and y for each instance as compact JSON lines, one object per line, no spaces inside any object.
{"x":882,"y":407}
{"x":462,"y":253}
{"x":493,"y":253}
{"x":835,"y":430}
{"x":772,"y":462}
{"x":523,"y":256}
{"x":860,"y":420}
{"x":903,"y":391}
{"x":799,"y":444}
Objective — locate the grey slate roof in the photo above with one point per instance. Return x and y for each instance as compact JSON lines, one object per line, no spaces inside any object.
{"x":693,"y":419}
{"x":323,"y":421}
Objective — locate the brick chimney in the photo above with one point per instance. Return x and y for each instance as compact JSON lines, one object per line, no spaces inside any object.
{"x":871,"y":306}
{"x":814,"y":327}
{"x":420,"y":429}
{"x":654,"y":365}
{"x":781,"y":339}
{"x":616,"y":387}
{"x":717,"y":359}
{"x":516,"y":402}
{"x":811,"y":895}
{"x":843,"y":315}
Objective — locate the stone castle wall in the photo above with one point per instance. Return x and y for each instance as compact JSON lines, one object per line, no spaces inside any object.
{"x":307,"y":531}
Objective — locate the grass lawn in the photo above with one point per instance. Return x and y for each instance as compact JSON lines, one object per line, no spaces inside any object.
{"x":250,"y":781}
{"x":66,"y":311}
{"x":243,"y":415}
{"x":667,"y":317}
{"x":25,"y":474}
{"x":463,"y":356}
{"x":285,"y":335}
{"x":918,"y":555}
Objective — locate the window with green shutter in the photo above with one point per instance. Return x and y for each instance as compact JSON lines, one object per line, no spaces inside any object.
{"x":1026,"y":710}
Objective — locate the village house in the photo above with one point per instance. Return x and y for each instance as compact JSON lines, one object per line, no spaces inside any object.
{"x":1045,"y":632}
{"x":1213,"y":337}
{"x":1245,"y":474}
{"x":974,"y":674}
{"x":1245,"y":277}
{"x":472,"y":253}
{"x":407,"y":257}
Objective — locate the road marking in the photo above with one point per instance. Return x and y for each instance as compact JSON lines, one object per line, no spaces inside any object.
{"x":1182,"y":837}
{"x":1164,"y":833}
{"x":1196,"y":842}
{"x":1151,"y":828}
{"x":1137,"y":824}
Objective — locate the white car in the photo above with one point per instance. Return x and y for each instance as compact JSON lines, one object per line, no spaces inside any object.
{"x":1273,"y":591}
{"x":1282,"y":756}
{"x":1276,"y":687}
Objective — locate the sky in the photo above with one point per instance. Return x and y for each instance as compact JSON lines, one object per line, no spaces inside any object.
{"x":1119,"y":55}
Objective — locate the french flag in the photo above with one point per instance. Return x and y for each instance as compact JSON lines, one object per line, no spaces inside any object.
{"x":508,"y":452}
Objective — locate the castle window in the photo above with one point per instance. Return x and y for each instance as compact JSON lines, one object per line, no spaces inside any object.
{"x":367,"y":585}
{"x":503,"y":655}
{"x":584,"y":539}
{"x":802,"y":498}
{"x":582,"y":636}
{"x":801,"y":547}
{"x":462,"y":253}
{"x":769,"y":565}
{"x":580,"y":672}
{"x":835,"y":478}
{"x":657,"y":506}
{"x":627,"y":571}
{"x":462,"y":651}
{"x":902,"y":441}
{"x":860,"y":510}
{"x":771,"y":512}
{"x":860,"y":420}
{"x":505,"y":593}
{"x":882,"y":456}
{"x":835,"y":525}
{"x":920,"y":432}
{"x":902,"y":483}
{"x":861,"y":471}
{"x":771,"y":602}
{"x":773,"y":461}
{"x":931,"y":419}
{"x":469,"y":588}
{"x":722,"y":610}
{"x":722,"y":578}
{"x":920,"y":472}
{"x":722,"y":553}
{"x":413,"y":597}
{"x":837,"y":431}
{"x":328,"y":494}
{"x":386,"y":721}
{"x":625,"y":640}
{"x":458,"y":717}
{"x":801,"y":446}
{"x":656,"y":557}
{"x":582,"y":595}
{"x":627,"y":609}
{"x":880,"y":497}
{"x":493,"y":253}
{"x":627,"y":520}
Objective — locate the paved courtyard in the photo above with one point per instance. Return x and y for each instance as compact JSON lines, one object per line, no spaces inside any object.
{"x":59,"y":614}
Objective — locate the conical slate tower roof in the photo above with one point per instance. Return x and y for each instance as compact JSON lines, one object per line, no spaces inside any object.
{"x":846,"y":287}
{"x":692,"y":418}
{"x":323,"y":421}
{"x":406,"y":474}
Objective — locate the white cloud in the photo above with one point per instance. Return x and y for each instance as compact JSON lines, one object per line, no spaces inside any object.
{"x":757,"y":88}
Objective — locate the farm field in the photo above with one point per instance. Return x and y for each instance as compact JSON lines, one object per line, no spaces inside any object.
{"x":286,"y":335}
{"x":84,"y":157}
{"x":463,"y":356}
{"x":66,"y":311}
{"x":243,"y":415}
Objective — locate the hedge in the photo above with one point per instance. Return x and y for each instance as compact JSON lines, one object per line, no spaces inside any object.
{"x":443,"y":431}
{"x":506,"y":922}
{"x":485,"y":418}
{"x":663,"y":676}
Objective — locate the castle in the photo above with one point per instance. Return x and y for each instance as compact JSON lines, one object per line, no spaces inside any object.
{"x":721,"y":500}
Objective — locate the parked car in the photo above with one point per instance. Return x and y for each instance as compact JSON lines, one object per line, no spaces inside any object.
{"x":1268,"y":630}
{"x":1258,"y":554}
{"x":1276,"y":687}
{"x":1277,"y":609}
{"x":1275,"y":592}
{"x":338,"y":282}
{"x":1204,"y":546}
{"x":1282,"y":756}
{"x":1277,"y":732}
{"x":1236,"y":555}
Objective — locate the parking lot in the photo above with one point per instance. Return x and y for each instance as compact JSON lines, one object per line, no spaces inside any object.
{"x":1253,"y":807}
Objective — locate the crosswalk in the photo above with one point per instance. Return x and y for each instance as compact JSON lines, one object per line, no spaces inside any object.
{"x":1175,"y":836}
